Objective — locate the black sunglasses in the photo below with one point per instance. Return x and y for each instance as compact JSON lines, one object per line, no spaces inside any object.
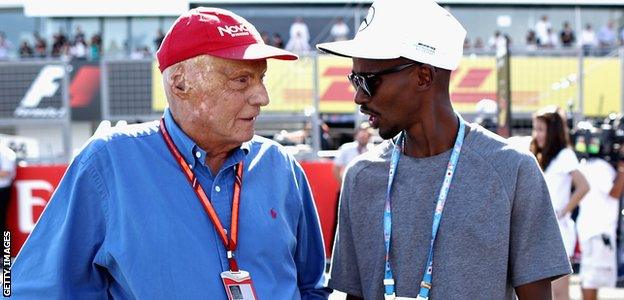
{"x":367,"y":81}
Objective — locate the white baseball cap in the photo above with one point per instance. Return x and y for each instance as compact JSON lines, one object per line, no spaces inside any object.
{"x":419,"y":30}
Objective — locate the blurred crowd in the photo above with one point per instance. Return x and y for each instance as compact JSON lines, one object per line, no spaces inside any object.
{"x":543,"y":36}
{"x":69,"y":47}
{"x":63,"y":46}
{"x":78,"y":46}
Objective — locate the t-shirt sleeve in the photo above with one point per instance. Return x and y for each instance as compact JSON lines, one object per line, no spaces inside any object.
{"x":568,"y":162}
{"x":536,"y":248}
{"x":344,"y":274}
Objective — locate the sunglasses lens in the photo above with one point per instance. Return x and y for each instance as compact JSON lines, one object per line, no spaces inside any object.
{"x":365,"y":86}
{"x":353,"y":80}
{"x":360,"y":82}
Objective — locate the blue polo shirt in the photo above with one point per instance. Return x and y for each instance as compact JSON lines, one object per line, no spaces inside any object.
{"x":124,"y":223}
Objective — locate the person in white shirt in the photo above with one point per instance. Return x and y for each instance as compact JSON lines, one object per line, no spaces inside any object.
{"x":495,"y":40}
{"x":7,"y":175}
{"x":340,"y":30}
{"x":347,"y":152}
{"x":299,"y":37}
{"x":541,"y":30}
{"x":588,"y":39}
{"x":551,"y":147}
{"x":597,"y":224}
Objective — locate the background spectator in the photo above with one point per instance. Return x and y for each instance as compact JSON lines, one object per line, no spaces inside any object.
{"x":607,"y":37}
{"x":496,"y":39}
{"x":541,"y":31}
{"x":340,"y":30}
{"x":41,"y":46}
{"x":567,"y":35}
{"x":531,"y":41}
{"x":5,"y":46}
{"x":95,"y":49}
{"x":588,"y":39}
{"x":79,"y":49}
{"x":299,"y":40}
{"x":58,"y":44}
{"x":7,"y":176}
{"x":278,"y":41}
{"x":25,"y":50}
{"x":79,"y":34}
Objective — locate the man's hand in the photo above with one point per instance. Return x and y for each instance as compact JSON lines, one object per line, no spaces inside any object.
{"x":537,"y":290}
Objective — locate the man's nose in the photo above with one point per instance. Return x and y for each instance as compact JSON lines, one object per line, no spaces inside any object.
{"x":260,"y":96}
{"x":361,"y":97}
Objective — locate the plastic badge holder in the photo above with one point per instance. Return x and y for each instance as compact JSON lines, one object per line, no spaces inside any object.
{"x":238,"y":285}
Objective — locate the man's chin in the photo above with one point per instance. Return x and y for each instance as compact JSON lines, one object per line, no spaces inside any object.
{"x":387,"y":134}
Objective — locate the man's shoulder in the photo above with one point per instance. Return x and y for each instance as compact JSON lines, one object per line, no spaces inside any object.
{"x":260,"y":142}
{"x":380,"y":154}
{"x":269,"y":149}
{"x":495,"y":150}
{"x":118,"y":137}
{"x":348,"y":146}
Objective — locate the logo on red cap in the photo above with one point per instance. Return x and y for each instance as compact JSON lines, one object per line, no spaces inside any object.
{"x":234,"y":30}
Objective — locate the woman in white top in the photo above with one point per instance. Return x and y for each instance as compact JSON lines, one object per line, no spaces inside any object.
{"x":551,"y":147}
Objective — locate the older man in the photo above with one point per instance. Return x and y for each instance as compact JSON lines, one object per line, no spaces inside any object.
{"x":448,"y":210}
{"x":192,"y":207}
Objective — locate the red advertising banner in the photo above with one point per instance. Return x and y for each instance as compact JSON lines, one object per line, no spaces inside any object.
{"x":325,"y":190}
{"x":31,"y":191}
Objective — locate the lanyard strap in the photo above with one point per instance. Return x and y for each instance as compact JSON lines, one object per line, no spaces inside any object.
{"x":231,"y":242}
{"x":425,"y":285}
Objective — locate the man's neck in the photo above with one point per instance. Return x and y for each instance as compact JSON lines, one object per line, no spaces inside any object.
{"x":216,"y":150}
{"x":435,"y":133}
{"x":216,"y":153}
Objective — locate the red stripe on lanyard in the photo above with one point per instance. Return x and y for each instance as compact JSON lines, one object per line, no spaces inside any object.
{"x":229,"y":243}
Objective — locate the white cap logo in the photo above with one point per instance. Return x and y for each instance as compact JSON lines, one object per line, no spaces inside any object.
{"x":234,"y":30}
{"x":369,"y":18}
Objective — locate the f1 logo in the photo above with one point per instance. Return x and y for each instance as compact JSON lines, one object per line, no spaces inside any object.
{"x":45,"y":85}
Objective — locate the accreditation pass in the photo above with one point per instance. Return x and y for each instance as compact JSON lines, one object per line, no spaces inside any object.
{"x":238,"y":285}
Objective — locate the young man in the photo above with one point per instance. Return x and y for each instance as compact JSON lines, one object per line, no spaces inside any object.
{"x":446,"y":210}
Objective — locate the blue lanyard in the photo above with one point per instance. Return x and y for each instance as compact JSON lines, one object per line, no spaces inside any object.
{"x":425,"y":285}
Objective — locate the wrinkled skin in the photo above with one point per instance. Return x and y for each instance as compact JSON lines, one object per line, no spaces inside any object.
{"x":215,"y":101}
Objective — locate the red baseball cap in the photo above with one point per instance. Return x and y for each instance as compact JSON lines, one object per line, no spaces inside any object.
{"x":216,"y":32}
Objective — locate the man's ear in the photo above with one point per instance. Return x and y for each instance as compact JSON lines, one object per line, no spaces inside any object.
{"x":178,"y":82}
{"x":424,"y":76}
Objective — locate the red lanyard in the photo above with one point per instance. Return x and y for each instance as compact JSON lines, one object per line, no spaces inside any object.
{"x":229,"y":243}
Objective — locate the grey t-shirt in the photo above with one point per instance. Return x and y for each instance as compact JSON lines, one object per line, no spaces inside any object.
{"x":498,"y":229}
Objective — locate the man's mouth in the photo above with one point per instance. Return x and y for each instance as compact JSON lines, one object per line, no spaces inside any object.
{"x":373,"y":117}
